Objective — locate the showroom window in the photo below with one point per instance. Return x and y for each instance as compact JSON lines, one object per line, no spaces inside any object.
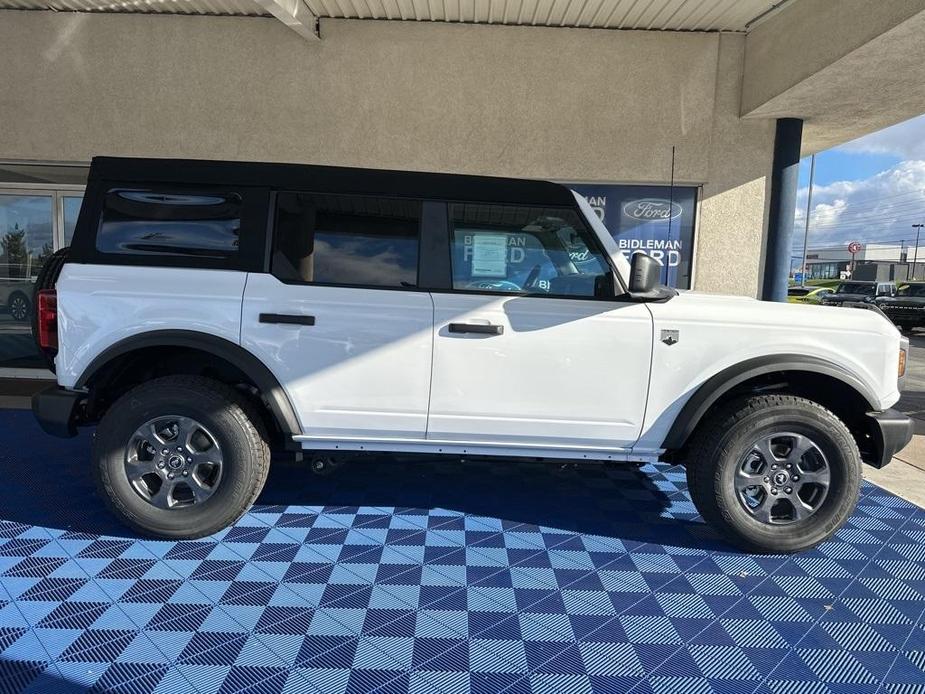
{"x":656,"y":220}
{"x":34,"y":223}
{"x":521,"y":249}
{"x":347,"y":240}
{"x":70,"y":208}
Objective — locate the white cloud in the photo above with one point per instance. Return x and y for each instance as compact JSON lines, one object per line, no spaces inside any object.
{"x":906,"y":140}
{"x":879,"y":209}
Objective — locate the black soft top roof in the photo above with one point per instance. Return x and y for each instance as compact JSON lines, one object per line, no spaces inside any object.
{"x":330,"y":179}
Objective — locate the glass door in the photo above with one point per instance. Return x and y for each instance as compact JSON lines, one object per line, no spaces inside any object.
{"x":34,"y":223}
{"x":27,"y":239}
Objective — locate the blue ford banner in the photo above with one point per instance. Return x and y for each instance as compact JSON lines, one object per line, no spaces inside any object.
{"x":654,"y":220}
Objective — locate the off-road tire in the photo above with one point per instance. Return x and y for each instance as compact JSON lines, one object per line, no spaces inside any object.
{"x":225,"y":412}
{"x":721,"y":443}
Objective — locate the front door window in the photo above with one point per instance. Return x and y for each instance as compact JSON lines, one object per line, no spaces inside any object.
{"x":516,"y":249}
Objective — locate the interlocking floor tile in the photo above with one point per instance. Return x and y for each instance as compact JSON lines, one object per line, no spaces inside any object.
{"x":445,"y":576}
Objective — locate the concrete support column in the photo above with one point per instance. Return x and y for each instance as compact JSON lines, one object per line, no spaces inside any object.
{"x":785,"y":172}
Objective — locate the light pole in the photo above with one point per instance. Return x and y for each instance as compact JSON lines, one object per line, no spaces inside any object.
{"x":915,"y":254}
{"x":809,"y":205}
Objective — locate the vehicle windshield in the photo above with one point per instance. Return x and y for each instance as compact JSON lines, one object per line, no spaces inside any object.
{"x":912,"y":290}
{"x":798,"y":291}
{"x":861,"y":288}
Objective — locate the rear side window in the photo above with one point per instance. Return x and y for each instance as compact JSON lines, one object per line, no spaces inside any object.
{"x":347,"y":240}
{"x":171,"y":223}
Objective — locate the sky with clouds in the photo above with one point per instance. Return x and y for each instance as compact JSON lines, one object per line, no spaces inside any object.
{"x":870,"y":190}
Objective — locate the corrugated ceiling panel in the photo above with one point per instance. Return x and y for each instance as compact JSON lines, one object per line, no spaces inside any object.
{"x":216,"y":7}
{"x":683,"y":15}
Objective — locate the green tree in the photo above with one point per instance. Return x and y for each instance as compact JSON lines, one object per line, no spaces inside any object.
{"x":14,"y":248}
{"x":46,"y":252}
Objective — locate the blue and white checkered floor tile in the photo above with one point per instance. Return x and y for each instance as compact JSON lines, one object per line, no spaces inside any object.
{"x":445,"y":576}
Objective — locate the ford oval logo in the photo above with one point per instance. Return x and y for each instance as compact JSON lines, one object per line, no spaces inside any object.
{"x":652,"y":209}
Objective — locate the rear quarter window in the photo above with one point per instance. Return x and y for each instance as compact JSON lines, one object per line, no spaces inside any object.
{"x":191,"y":224}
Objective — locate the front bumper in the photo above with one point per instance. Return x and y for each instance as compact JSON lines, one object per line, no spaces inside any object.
{"x":892,"y":431}
{"x":904,"y":314}
{"x":56,"y":410}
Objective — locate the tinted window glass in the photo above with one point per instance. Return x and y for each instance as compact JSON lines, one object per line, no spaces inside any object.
{"x":656,"y":220}
{"x":912,"y":290}
{"x":510,"y":248}
{"x":346,"y":239}
{"x":856,"y":288}
{"x":199,"y":224}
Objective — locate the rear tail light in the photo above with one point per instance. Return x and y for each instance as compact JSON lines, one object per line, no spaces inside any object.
{"x":48,"y":320}
{"x":902,"y":363}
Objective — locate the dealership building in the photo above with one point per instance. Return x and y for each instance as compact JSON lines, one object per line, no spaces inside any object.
{"x":682,"y":121}
{"x":883,"y":262}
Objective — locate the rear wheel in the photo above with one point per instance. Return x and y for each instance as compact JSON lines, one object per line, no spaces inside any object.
{"x":179,"y":457}
{"x":775,"y":473}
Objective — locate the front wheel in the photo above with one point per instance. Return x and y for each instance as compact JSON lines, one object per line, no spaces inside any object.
{"x":775,"y":473}
{"x":179,"y":457}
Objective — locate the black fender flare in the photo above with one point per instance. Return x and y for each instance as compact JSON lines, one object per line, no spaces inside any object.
{"x":280,"y":405}
{"x":727,"y":379}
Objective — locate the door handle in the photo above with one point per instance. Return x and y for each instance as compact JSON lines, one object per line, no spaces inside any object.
{"x":479,"y":328}
{"x":287,"y":318}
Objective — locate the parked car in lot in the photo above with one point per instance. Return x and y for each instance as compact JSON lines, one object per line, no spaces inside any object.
{"x":16,"y":298}
{"x":807,"y":295}
{"x":907,"y":308}
{"x":208,"y":311}
{"x":853,"y":291}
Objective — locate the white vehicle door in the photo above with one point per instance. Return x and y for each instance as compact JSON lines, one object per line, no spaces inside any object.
{"x":528,"y":348}
{"x":340,"y":320}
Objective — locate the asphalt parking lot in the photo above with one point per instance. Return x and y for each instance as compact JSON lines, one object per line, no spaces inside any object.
{"x":913,"y":399}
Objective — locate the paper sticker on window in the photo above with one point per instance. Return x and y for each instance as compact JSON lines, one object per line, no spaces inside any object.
{"x":489,"y":255}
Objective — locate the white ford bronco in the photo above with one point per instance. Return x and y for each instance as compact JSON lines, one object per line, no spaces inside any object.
{"x":209,"y":312}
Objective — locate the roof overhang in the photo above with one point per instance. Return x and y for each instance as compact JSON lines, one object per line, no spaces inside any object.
{"x":302,"y":15}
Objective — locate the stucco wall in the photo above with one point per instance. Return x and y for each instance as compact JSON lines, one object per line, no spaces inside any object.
{"x":569,"y":104}
{"x":734,"y":205}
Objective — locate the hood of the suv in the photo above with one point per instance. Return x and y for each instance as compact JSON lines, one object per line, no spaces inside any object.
{"x":718,"y":332}
{"x":807,"y":317}
{"x":841,"y":298}
{"x":899,"y":301}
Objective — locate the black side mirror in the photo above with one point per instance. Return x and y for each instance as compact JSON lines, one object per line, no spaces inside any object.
{"x":644,"y":274}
